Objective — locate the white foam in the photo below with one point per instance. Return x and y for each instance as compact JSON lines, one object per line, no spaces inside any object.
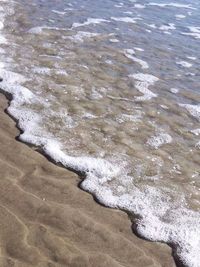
{"x":114,"y":40}
{"x":196,"y":131}
{"x":95,"y":94}
{"x":80,"y":36}
{"x":3,"y":40}
{"x":128,"y":12}
{"x":142,"y":84}
{"x":40,"y":29}
{"x":197,"y":145}
{"x":159,"y":140}
{"x":68,"y":9}
{"x":171,"y":5}
{"x":61,"y":72}
{"x":194,"y":110}
{"x":36,"y":30}
{"x":89,"y":116}
{"x":174,"y":90}
{"x":59,"y":12}
{"x":126,"y":19}
{"x":167,"y":27}
{"x":118,"y":6}
{"x":192,"y":58}
{"x":88,"y":22}
{"x":42,"y":70}
{"x":129,"y":54}
{"x":194,"y":32}
{"x":2,"y":51}
{"x":149,"y":31}
{"x":139,"y":49}
{"x":180,"y":16}
{"x":139,"y":6}
{"x":164,"y":106}
{"x":109,"y":62}
{"x":1,"y":25}
{"x":184,"y":64}
{"x":130,"y":117}
{"x":160,"y":217}
{"x":153,"y":26}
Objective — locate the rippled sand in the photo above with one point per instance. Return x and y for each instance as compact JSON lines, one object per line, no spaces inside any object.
{"x":46,"y":220}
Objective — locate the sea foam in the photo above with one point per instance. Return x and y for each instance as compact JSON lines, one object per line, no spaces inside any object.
{"x":159,"y":216}
{"x":178,"y":5}
{"x":184,"y":64}
{"x":129,"y":53}
{"x":159,"y":140}
{"x":194,"y":110}
{"x":143,"y":81}
{"x":88,"y":22}
{"x":194,"y":32}
{"x":126,"y":19}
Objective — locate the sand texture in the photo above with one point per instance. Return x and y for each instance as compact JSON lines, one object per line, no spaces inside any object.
{"x":46,"y":220}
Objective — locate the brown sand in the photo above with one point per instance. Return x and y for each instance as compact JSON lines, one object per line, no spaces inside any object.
{"x":46,"y":220}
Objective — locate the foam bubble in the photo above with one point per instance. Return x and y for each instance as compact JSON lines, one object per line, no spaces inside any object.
{"x":125,"y":19}
{"x":120,"y":5}
{"x":196,"y":131}
{"x":40,"y":29}
{"x":88,"y":22}
{"x":172,"y":5}
{"x":42,"y":70}
{"x":129,"y":54}
{"x":197,"y":145}
{"x":59,"y":12}
{"x":36,"y":30}
{"x":1,"y":25}
{"x":159,"y":140}
{"x":139,"y":6}
{"x":194,"y":32}
{"x":142,"y":84}
{"x":184,"y":64}
{"x":2,"y":51}
{"x":153,"y":26}
{"x":194,"y":110}
{"x":128,"y":12}
{"x":192,"y":58}
{"x":80,"y":36}
{"x":139,"y":49}
{"x":180,"y":16}
{"x":130,"y":117}
{"x":167,"y":27}
{"x":3,"y":40}
{"x":174,"y":90}
{"x":114,"y":40}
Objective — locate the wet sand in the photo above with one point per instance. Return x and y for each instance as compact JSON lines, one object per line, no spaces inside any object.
{"x":46,"y":220}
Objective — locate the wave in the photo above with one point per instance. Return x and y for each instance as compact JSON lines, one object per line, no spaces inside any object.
{"x":157,"y":214}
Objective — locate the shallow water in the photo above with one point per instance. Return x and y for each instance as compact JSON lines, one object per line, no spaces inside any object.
{"x":111,"y":89}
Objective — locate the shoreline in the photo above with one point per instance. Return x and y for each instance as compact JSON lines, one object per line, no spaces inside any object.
{"x":53,"y":222}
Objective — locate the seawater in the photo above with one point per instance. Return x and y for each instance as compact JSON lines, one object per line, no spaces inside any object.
{"x":111,"y":89}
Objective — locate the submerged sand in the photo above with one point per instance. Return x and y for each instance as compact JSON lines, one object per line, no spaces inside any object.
{"x":46,"y":220}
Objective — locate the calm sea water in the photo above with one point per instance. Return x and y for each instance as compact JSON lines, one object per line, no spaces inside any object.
{"x":111,"y":89}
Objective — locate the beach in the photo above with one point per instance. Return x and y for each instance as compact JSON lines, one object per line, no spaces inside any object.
{"x":46,"y":220}
{"x":100,"y":140}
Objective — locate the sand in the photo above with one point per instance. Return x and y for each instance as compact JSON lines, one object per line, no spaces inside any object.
{"x":46,"y":220}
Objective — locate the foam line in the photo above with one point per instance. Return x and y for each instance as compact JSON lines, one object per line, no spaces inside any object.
{"x":160,"y":216}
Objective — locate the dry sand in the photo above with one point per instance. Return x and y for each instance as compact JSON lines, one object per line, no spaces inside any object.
{"x":46,"y":220}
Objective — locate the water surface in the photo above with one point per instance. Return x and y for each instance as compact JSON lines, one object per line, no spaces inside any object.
{"x":111,"y":89}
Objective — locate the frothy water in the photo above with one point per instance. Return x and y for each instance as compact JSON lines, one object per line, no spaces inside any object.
{"x":111,"y":89}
